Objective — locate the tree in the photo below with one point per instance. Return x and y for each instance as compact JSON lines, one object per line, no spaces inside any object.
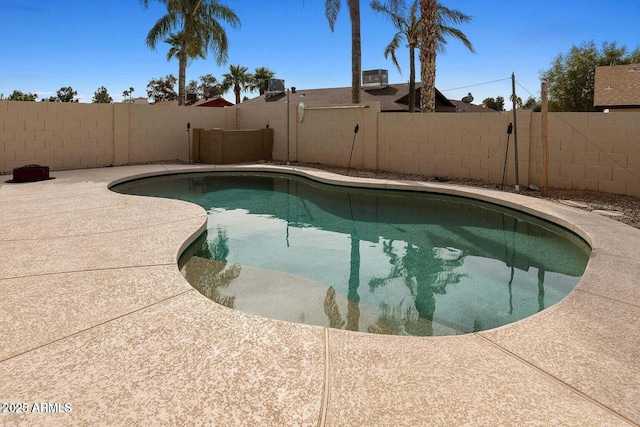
{"x":332,"y":7}
{"x":260,"y":78}
{"x":162,"y":89}
{"x":238,"y":78}
{"x":429,"y":13}
{"x":64,"y":94}
{"x":434,"y":29}
{"x":127,"y":93}
{"x":199,"y":31}
{"x":209,"y":87}
{"x":192,"y":87}
{"x":19,"y":96}
{"x":571,"y":76}
{"x":495,"y":104}
{"x":101,"y":96}
{"x":532,"y":104}
{"x":408,"y":28}
{"x":174,"y":40}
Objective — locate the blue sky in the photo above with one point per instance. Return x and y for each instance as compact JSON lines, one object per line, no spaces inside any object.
{"x":86,"y":44}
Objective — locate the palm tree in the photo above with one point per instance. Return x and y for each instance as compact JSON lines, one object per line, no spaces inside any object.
{"x":175,"y":40}
{"x":429,"y":13}
{"x":332,"y":7}
{"x":260,"y":78}
{"x":199,"y":30}
{"x":128,"y":93}
{"x":238,"y":78}
{"x":409,"y":27}
{"x":433,"y":31}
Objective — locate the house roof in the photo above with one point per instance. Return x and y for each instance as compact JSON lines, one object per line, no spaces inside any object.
{"x":212,"y":102}
{"x":218,"y":101}
{"x":392,"y":98}
{"x":617,"y":86}
{"x":470,"y":108}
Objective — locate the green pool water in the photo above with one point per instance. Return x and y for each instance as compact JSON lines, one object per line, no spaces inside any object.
{"x":389,"y":262}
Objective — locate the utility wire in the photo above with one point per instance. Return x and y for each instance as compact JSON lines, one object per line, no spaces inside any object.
{"x":559,"y":116}
{"x":478,"y":84}
{"x":526,"y":90}
{"x":556,"y":114}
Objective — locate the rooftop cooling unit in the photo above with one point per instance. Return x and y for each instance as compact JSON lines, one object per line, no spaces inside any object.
{"x":375,"y":79}
{"x":192,"y":97}
{"x":274,"y":87}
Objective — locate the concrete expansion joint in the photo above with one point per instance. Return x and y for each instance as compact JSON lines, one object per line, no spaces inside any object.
{"x":555,"y":379}
{"x":84,"y":270}
{"x":325,"y":389}
{"x":97,"y":325}
{"x":619,"y":301}
{"x":106,"y":232}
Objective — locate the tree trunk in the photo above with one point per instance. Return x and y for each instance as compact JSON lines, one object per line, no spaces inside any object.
{"x":182,"y":73}
{"x":236,"y":90}
{"x":429,"y":13}
{"x":356,"y":52}
{"x":412,"y":78}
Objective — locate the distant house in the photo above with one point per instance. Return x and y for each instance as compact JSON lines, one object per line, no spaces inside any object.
{"x":617,"y":88}
{"x":218,"y":102}
{"x":392,"y":98}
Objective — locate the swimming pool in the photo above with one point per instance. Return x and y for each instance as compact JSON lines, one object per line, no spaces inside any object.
{"x":370,"y":260}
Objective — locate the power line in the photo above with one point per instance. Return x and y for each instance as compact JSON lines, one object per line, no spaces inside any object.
{"x":559,"y":116}
{"x":478,"y":84}
{"x":525,"y":89}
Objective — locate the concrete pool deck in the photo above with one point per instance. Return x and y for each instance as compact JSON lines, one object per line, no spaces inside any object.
{"x":94,"y":313}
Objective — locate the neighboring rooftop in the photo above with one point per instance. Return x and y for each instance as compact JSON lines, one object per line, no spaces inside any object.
{"x":218,"y":101}
{"x":617,"y":86}
{"x":392,"y":98}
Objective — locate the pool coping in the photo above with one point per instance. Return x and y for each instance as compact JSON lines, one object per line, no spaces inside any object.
{"x":96,"y":338}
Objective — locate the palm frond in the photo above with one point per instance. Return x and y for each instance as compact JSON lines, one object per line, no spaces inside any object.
{"x":332,"y":8}
{"x":160,"y":29}
{"x":391,"y":49}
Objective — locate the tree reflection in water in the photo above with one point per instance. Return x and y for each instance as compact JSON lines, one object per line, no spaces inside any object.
{"x":207,"y":270}
{"x":425,"y":272}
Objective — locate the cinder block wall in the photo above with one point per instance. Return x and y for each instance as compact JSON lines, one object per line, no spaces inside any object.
{"x":62,"y":136}
{"x":73,"y":135}
{"x":460,"y":145}
{"x":590,"y":151}
{"x":587,"y":151}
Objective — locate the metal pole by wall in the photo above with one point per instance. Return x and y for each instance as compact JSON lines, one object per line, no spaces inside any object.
{"x":288,"y":145}
{"x":515,"y":128}
{"x":189,"y":140}
{"x":545,"y":138}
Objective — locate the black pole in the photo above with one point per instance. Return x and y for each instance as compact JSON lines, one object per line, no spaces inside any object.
{"x":506,"y":154}
{"x":189,"y":140}
{"x":515,"y":132}
{"x":355,"y":132}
